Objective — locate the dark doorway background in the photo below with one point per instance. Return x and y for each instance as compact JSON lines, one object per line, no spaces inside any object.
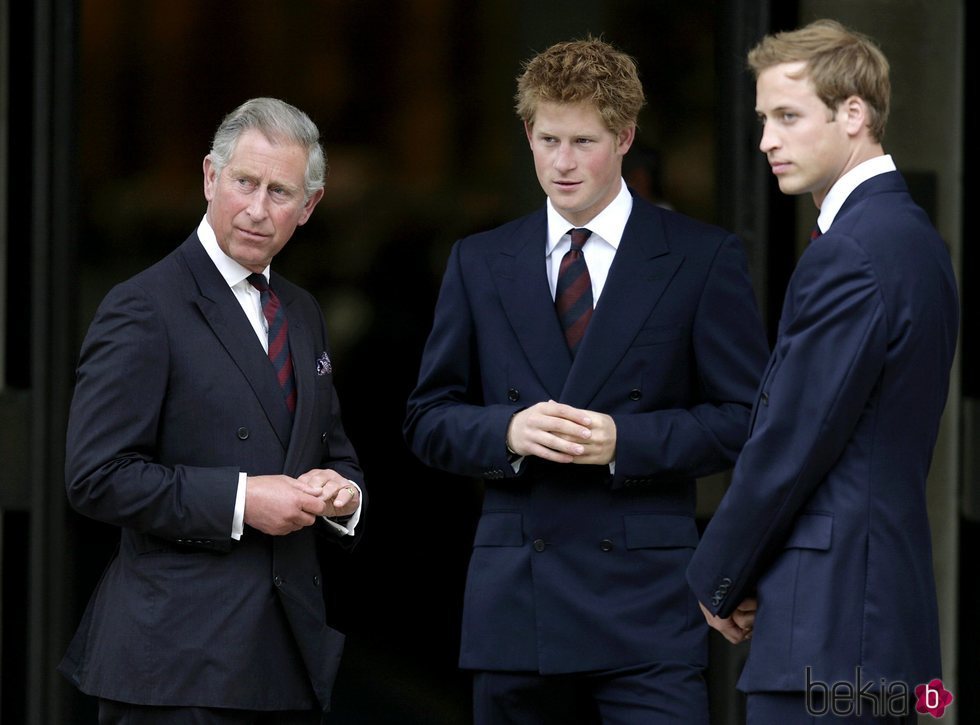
{"x":414,"y":101}
{"x":111,"y":106}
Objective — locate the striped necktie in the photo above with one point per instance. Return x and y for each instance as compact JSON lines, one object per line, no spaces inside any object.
{"x":278,"y":338}
{"x":573,"y":293}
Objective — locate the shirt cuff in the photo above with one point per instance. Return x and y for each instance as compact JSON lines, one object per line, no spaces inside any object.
{"x":238,"y":522}
{"x":347,"y":528}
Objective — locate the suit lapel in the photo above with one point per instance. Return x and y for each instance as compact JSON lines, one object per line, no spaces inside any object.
{"x":224,"y":315}
{"x":518,"y":270}
{"x":303,"y":355}
{"x":641,"y":271}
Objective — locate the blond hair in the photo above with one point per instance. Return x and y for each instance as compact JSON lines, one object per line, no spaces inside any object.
{"x":839,"y":62}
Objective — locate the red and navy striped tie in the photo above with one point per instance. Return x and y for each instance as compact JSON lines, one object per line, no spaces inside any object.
{"x":573,"y":293}
{"x":278,"y":338}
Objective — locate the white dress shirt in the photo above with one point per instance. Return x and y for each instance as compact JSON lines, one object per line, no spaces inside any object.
{"x":600,"y":249}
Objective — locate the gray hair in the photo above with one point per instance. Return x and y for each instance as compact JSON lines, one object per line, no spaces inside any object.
{"x":279,"y":122}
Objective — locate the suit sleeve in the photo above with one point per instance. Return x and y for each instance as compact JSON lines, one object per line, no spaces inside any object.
{"x":120,"y":389}
{"x":447,"y":425}
{"x":729,"y":352}
{"x":829,"y":356}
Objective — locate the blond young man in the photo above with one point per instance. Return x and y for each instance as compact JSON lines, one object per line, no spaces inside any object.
{"x":825,"y":521}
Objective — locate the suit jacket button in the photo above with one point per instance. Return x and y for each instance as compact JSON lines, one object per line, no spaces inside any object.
{"x":513,"y":395}
{"x":316,"y":580}
{"x":323,"y":437}
{"x":606,"y":545}
{"x":242,"y":433}
{"x":539,"y":545}
{"x":764,"y":398}
{"x":635,"y":394}
{"x":277,"y":580}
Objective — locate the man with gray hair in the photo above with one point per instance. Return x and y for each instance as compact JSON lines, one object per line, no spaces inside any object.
{"x":205,"y":425}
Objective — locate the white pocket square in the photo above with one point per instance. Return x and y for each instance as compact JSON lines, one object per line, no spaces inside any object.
{"x":323,"y":365}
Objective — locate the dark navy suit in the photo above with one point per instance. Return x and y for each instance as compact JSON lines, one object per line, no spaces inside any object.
{"x":174,"y":397}
{"x":574,"y":569}
{"x":826,"y":515}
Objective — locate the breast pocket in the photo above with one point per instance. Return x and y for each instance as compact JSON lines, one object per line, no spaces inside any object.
{"x":658,"y":335}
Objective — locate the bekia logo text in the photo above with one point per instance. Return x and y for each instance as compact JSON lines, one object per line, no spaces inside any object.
{"x":881,"y":699}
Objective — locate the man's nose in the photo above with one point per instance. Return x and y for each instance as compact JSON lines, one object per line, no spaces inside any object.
{"x":769,"y":141}
{"x":257,"y":208}
{"x":564,"y":158}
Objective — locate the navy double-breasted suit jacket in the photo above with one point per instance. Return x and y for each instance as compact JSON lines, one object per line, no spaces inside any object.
{"x":174,"y":397}
{"x":826,"y":514}
{"x":575,"y":568}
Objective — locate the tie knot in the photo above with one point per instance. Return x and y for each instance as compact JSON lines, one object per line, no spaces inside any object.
{"x":258,"y":281}
{"x":815,"y":232}
{"x":579,"y":236}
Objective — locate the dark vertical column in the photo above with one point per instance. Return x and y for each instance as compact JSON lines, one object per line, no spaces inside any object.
{"x":968,"y":699}
{"x":743,"y":176}
{"x":743,"y":207}
{"x":16,"y":64}
{"x":970,"y":331}
{"x":50,"y":238}
{"x":749,"y":202}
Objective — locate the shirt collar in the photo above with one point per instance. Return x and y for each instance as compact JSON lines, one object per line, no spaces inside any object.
{"x":232,"y":271}
{"x":843,"y":187}
{"x":608,"y":224}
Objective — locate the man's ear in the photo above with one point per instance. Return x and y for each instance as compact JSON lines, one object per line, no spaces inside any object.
{"x":856,"y":116}
{"x":309,"y":206}
{"x":210,"y":177}
{"x":624,"y":139}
